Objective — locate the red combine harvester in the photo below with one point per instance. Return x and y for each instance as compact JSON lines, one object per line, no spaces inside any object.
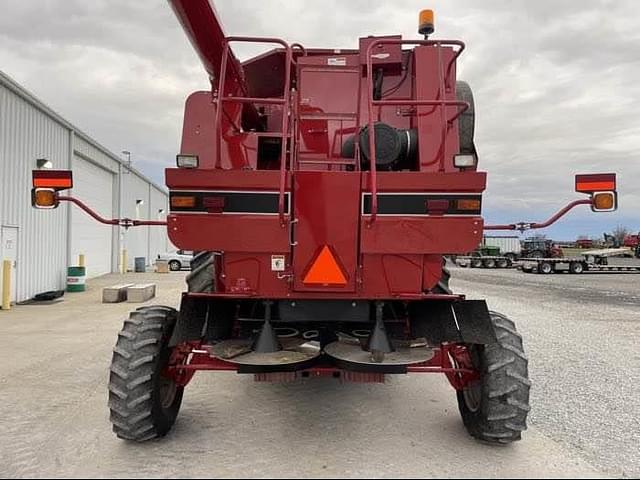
{"x":321,"y":189}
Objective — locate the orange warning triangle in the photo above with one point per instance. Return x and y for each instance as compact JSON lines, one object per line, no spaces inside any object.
{"x":325,"y":270}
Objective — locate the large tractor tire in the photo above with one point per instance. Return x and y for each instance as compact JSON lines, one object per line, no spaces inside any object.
{"x":201,"y":277}
{"x":144,"y":403}
{"x":494,"y":409}
{"x":466,"y":122}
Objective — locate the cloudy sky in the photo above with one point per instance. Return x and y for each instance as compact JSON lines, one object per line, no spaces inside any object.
{"x":556,"y":82}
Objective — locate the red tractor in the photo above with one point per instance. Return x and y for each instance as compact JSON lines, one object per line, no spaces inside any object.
{"x":320,"y":189}
{"x":633,"y":242}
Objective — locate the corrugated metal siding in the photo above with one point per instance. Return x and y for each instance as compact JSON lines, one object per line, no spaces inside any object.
{"x":30,"y":130}
{"x":94,"y":185}
{"x":25,"y":135}
{"x":96,"y":155}
{"x":133,"y":189}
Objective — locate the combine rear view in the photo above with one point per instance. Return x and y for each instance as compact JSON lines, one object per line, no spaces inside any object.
{"x":320,"y":190}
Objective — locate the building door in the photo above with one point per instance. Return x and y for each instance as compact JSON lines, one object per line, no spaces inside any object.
{"x":9,"y":251}
{"x":92,"y":185}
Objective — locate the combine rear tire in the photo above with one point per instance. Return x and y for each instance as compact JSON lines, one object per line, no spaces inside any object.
{"x":200,"y":279}
{"x":494,"y":409}
{"x":144,"y":403}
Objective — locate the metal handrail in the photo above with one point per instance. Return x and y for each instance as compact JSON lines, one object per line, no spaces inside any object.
{"x":442,"y":103}
{"x":285,"y":101}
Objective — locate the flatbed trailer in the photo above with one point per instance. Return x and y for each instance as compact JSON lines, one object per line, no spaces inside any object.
{"x":589,"y":261}
{"x":486,"y":261}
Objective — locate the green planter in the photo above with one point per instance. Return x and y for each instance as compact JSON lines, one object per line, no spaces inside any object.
{"x":75,"y":279}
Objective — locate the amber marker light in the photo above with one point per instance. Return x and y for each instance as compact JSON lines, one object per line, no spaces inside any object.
{"x":604,"y":202}
{"x":183,"y":201}
{"x":44,"y":198}
{"x":468,"y":204}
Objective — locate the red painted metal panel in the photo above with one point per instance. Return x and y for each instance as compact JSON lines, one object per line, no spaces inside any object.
{"x":198,"y":129}
{"x":383,"y":54}
{"x":210,"y":179}
{"x":229,"y":233}
{"x":466,"y":182}
{"x":325,"y":111}
{"x":428,"y":235}
{"x":391,"y":275}
{"x":251,"y":274}
{"x":430,"y":118}
{"x":202,"y":25}
{"x":326,"y":210}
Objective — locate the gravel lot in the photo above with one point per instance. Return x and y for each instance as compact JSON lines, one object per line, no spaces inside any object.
{"x":582,"y":338}
{"x":582,"y":334}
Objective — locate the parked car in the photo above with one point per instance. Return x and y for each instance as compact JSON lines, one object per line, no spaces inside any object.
{"x":177,"y":260}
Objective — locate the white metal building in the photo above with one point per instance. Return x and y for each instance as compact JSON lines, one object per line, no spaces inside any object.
{"x":42,"y":243}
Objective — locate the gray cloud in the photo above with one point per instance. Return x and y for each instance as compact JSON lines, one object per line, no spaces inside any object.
{"x":556,"y":82}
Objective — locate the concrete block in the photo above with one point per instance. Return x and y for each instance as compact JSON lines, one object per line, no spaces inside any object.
{"x":115,"y":293}
{"x":162,"y":266}
{"x":141,"y":292}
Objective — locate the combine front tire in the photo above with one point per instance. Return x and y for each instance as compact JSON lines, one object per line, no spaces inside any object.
{"x":494,"y":409}
{"x":144,"y":403}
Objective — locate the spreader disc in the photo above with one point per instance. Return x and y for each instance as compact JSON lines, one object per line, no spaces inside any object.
{"x":356,"y":355}
{"x":293,"y":351}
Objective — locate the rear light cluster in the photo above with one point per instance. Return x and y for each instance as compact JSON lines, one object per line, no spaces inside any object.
{"x":187,"y":161}
{"x":465,"y":161}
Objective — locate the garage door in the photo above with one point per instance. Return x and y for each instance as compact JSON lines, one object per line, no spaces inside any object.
{"x":94,"y":186}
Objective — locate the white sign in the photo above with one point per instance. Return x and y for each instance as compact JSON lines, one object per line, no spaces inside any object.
{"x":337,"y":61}
{"x":277,"y":263}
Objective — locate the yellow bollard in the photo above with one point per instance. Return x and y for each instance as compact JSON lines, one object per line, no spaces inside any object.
{"x":123,"y":264}
{"x":6,"y":285}
{"x":81,"y":260}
